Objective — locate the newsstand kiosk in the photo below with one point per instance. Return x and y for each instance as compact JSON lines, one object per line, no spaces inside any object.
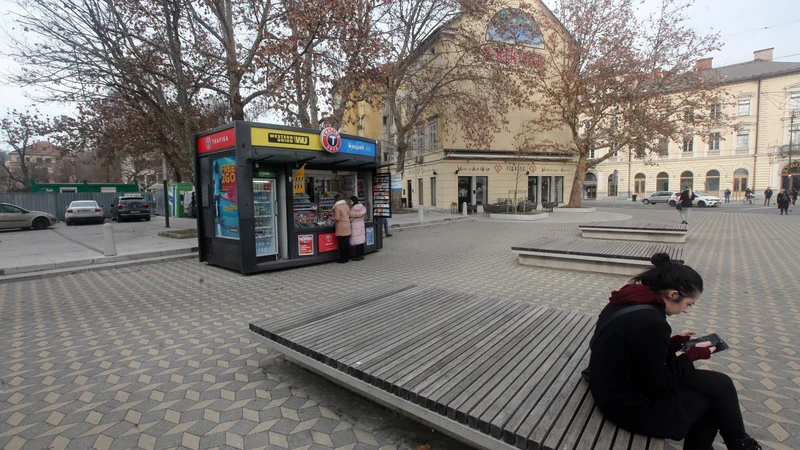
{"x":266,"y":194}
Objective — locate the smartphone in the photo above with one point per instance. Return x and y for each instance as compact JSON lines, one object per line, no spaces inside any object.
{"x":714,"y":338}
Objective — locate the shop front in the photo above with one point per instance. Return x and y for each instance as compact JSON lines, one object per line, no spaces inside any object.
{"x":267,"y":194}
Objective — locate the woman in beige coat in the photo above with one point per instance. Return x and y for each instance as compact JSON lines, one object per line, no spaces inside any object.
{"x":341,"y":216}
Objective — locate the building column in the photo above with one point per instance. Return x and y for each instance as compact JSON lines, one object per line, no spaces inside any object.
{"x":539,"y":206}
{"x":551,"y":189}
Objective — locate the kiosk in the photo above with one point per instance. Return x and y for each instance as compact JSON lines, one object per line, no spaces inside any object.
{"x":265,"y":194}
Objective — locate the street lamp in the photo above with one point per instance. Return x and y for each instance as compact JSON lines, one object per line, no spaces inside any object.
{"x":791,"y":144}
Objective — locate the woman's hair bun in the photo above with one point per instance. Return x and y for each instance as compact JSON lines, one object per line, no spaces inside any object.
{"x":660,"y":260}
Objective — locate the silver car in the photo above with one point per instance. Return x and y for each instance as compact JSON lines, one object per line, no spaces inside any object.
{"x":657,"y":197}
{"x":12,"y":216}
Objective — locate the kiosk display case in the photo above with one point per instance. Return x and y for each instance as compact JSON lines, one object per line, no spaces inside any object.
{"x":266,"y":194}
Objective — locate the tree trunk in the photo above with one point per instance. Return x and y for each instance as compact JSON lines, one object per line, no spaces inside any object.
{"x":237,"y":108}
{"x":577,"y":183}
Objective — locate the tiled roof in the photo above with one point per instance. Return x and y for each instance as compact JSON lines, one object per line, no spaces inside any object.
{"x":752,"y":70}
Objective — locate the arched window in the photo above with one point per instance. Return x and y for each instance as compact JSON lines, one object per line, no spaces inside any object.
{"x":712,"y":182}
{"x":514,"y":26}
{"x":792,"y":169}
{"x":687,"y":179}
{"x":590,"y":177}
{"x":612,"y":188}
{"x":662,"y":181}
{"x":639,"y":182}
{"x":740,"y":177}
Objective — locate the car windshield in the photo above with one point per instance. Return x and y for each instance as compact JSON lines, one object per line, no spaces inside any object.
{"x":83,"y":205}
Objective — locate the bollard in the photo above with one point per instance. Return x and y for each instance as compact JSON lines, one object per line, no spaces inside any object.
{"x":419,"y":213}
{"x":109,"y":244}
{"x":464,"y":209}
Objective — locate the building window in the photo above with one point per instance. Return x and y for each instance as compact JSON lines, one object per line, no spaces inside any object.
{"x":688,"y":115}
{"x":662,"y":181}
{"x":590,"y":155}
{"x":716,"y":111}
{"x":740,"y":181}
{"x":713,"y":142}
{"x":612,"y":188}
{"x":385,"y":120}
{"x":744,"y":108}
{"x":688,"y":144}
{"x":663,"y":146}
{"x":794,"y":101}
{"x":639,"y":184}
{"x":687,"y":180}
{"x":743,"y":139}
{"x":712,"y":182}
{"x":47,"y":160}
{"x":433,"y":191}
{"x":432,"y":135}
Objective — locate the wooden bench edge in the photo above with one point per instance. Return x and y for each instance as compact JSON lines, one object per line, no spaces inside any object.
{"x":634,"y":230}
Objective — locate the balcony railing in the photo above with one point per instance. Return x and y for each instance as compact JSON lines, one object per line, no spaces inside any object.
{"x":687,"y":154}
{"x":713,"y":153}
{"x":742,"y":151}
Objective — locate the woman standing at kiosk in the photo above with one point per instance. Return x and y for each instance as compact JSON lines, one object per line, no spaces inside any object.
{"x":341,"y":216}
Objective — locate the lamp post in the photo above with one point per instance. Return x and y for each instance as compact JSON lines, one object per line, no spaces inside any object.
{"x":791,"y":145}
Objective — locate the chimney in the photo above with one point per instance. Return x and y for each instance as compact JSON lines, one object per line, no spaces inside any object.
{"x":703,"y":64}
{"x":763,"y":55}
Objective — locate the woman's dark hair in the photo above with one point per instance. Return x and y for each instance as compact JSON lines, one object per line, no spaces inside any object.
{"x":669,"y":275}
{"x":338,"y":197}
{"x":354,"y":199}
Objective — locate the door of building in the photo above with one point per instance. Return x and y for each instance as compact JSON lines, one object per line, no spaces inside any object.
{"x":481,"y":190}
{"x":419,"y":193}
{"x":410,"y":197}
{"x":464,"y":192}
{"x":433,"y":191}
{"x":545,"y":189}
{"x":532,"y":185}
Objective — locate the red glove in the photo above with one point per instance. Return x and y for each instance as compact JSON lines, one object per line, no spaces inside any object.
{"x":676,"y":341}
{"x":695,"y":353}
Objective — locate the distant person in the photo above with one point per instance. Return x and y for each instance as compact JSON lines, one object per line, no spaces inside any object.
{"x":784,"y":200}
{"x":727,"y":195}
{"x":386,"y":227}
{"x":639,"y":382}
{"x":794,"y":197}
{"x":341,"y":217}
{"x":358,"y":236}
{"x":748,"y":196}
{"x":767,"y":196}
{"x":687,"y":197}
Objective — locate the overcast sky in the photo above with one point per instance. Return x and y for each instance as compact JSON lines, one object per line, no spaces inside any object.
{"x":745,"y":25}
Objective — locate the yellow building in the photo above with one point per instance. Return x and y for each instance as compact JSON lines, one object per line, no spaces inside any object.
{"x":442,"y":169}
{"x":754,"y":153}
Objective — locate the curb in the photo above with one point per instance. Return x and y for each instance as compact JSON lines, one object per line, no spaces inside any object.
{"x":93,"y":268}
{"x":95,"y":261}
{"x":431,"y":223}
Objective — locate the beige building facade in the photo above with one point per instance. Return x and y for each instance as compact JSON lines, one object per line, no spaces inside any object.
{"x":754,"y":154}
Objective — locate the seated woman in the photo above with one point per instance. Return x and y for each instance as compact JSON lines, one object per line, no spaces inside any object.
{"x":639,"y":383}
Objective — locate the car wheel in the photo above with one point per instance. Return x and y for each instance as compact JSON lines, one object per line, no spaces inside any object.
{"x":68,"y":222}
{"x":701,"y":204}
{"x":672,"y":203}
{"x":147,"y":218}
{"x":646,"y":201}
{"x":40,"y":224}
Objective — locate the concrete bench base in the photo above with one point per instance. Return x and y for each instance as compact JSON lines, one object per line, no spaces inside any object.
{"x":676,"y":237}
{"x":608,"y":265}
{"x":519,"y":217}
{"x":574,"y":210}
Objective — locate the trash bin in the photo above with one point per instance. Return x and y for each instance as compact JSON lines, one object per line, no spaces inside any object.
{"x":634,"y":197}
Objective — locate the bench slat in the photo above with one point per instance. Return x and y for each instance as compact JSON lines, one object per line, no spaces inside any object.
{"x":639,"y":251}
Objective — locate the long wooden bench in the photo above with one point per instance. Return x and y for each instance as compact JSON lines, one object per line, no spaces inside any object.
{"x":493,"y":374}
{"x":612,"y":257}
{"x":650,"y":232}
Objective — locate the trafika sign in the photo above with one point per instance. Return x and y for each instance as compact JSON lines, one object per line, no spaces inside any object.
{"x":217,"y":141}
{"x":331,"y":141}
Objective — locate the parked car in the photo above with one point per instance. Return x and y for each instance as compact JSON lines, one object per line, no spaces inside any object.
{"x":84,"y":211}
{"x":130,"y":207}
{"x":657,"y":197}
{"x":702,"y":199}
{"x":12,"y":216}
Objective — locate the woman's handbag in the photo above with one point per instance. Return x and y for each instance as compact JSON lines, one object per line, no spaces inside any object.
{"x":678,"y":207}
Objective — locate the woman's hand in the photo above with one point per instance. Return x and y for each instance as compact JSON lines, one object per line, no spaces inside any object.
{"x":702,"y":350}
{"x":676,"y":341}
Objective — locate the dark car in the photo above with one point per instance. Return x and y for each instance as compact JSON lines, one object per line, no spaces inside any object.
{"x":130,"y":207}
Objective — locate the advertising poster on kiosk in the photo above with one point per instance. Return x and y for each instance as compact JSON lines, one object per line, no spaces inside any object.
{"x":226,"y":203}
{"x":382,"y":195}
{"x":305,"y":244}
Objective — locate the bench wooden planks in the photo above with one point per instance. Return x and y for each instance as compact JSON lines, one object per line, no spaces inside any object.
{"x":639,"y":251}
{"x":657,"y":226}
{"x":509,"y":370}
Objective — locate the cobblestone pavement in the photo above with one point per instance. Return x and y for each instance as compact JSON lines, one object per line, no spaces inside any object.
{"x":160,"y":357}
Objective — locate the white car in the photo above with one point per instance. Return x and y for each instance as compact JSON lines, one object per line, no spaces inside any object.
{"x":702,"y":199}
{"x":84,"y":211}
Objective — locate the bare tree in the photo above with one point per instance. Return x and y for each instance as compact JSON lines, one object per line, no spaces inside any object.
{"x":620,"y":83}
{"x":20,"y":130}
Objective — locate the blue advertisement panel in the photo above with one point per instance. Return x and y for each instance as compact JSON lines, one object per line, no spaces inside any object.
{"x":226,"y":202}
{"x":354,"y":147}
{"x":370,"y":236}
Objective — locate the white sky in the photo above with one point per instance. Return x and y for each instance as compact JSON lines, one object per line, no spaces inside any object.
{"x":746,"y":26}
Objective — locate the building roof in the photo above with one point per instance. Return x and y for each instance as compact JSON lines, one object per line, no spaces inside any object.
{"x":753,"y":70}
{"x":42,"y":148}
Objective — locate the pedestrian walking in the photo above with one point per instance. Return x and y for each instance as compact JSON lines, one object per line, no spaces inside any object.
{"x":386,"y":227}
{"x":639,"y":383}
{"x":358,"y":234}
{"x":784,"y":200}
{"x":687,"y":197}
{"x":341,"y":216}
{"x":727,"y":195}
{"x":748,"y":196}
{"x":794,"y":197}
{"x":767,"y":196}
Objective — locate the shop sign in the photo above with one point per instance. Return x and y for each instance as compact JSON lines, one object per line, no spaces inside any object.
{"x":397,"y":181}
{"x":226,"y":202}
{"x":356,"y":147}
{"x":331,"y":141}
{"x":514,"y":168}
{"x":264,"y":174}
{"x":305,"y":244}
{"x":370,"y":236}
{"x":793,"y":167}
{"x":217,"y":141}
{"x":327,"y":242}
{"x":267,"y":137}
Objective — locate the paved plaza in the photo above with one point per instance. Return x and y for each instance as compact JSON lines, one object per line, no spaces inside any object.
{"x":159,"y":356}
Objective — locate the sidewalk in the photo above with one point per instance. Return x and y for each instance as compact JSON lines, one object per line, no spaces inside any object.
{"x":409,"y":218}
{"x":63,"y":247}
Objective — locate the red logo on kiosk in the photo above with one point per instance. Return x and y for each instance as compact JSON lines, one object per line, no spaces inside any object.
{"x":218,"y":141}
{"x":327,"y":242}
{"x":331,"y":141}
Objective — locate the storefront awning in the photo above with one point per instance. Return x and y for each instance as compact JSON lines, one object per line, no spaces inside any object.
{"x":315,"y":158}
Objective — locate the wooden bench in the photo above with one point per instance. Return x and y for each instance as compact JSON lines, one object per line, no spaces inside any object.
{"x":650,"y":232}
{"x":493,"y":374}
{"x":620,"y":257}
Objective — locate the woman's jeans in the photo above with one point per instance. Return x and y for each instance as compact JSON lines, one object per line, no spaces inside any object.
{"x":685,"y":213}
